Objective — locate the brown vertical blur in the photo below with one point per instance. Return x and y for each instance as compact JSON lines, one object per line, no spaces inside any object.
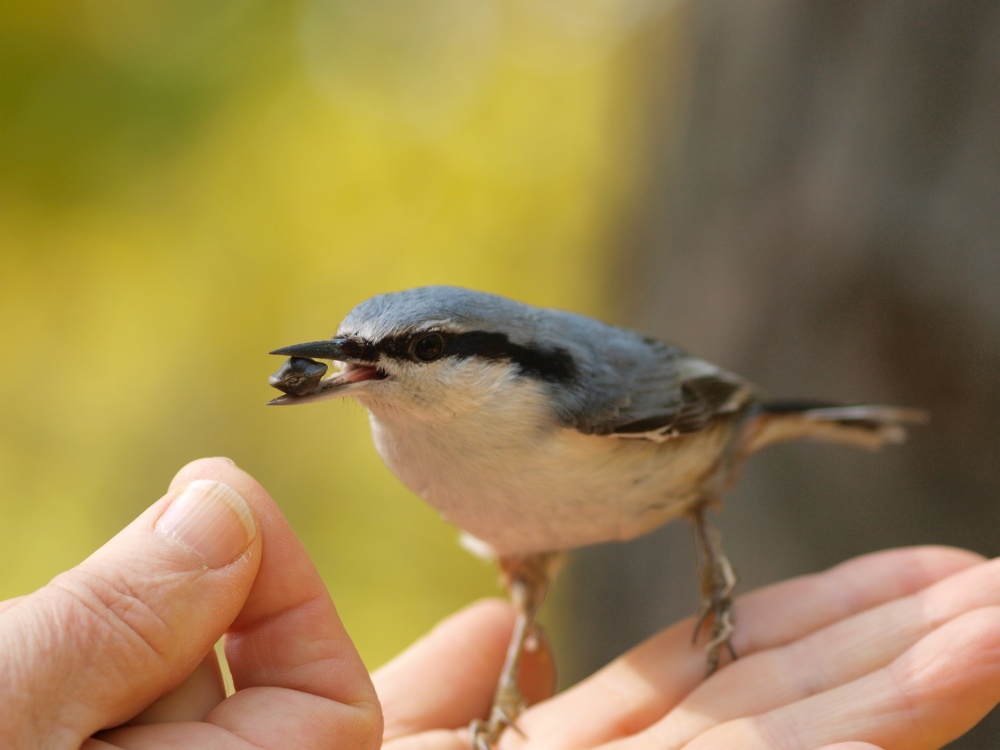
{"x":825,"y":220}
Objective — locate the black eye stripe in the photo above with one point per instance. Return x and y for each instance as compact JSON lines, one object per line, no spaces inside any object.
{"x":552,"y":364}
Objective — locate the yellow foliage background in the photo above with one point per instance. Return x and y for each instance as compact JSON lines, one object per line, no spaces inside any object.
{"x":185,"y":186}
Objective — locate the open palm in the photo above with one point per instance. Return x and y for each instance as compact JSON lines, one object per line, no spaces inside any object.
{"x":899,"y":649}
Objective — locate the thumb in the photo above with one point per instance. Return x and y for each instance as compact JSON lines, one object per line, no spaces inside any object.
{"x":105,"y":639}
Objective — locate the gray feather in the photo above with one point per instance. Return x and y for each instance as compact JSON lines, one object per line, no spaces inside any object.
{"x":626,"y":385}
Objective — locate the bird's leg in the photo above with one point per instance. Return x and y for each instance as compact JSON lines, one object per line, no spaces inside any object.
{"x":717,"y":583}
{"x":527,"y":581}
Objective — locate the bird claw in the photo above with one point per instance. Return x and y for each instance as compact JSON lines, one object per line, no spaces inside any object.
{"x":717,"y":583}
{"x":507,"y":706}
{"x":717,"y":607}
{"x":527,"y":580}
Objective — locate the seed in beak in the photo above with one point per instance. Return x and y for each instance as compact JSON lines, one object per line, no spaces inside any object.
{"x":298,"y":376}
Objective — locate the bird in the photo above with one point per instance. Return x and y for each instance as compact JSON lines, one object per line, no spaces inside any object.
{"x":537,"y":431}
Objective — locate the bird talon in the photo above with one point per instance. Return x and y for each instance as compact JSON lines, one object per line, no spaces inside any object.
{"x":485,"y":734}
{"x":717,"y":583}
{"x":480,"y":737}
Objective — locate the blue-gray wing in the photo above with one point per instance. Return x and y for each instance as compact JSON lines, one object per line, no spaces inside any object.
{"x":656,"y":391}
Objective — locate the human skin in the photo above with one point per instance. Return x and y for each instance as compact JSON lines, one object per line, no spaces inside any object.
{"x":899,"y":649}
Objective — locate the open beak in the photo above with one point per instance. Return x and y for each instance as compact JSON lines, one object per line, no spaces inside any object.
{"x":300,"y":378}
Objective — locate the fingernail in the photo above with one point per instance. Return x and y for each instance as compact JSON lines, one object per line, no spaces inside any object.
{"x":211,"y":518}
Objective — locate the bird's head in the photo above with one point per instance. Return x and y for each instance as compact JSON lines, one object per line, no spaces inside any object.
{"x":429,"y":351}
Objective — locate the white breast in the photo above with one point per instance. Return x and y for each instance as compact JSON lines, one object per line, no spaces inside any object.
{"x":506,"y":475}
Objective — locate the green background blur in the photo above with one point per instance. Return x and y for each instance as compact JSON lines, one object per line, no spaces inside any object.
{"x":185,"y":186}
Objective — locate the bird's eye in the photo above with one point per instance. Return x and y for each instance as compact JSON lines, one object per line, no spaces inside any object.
{"x":428,"y":347}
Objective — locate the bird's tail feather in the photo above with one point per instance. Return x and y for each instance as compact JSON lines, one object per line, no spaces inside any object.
{"x":864,"y":426}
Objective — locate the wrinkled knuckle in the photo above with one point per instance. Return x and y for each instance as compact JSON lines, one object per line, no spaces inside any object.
{"x":112,"y":608}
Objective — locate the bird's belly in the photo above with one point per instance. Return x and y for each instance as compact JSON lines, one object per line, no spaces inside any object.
{"x":555,"y":493}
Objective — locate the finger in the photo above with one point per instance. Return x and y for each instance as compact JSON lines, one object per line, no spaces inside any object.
{"x":538,"y":678}
{"x":460,"y":661}
{"x":105,"y":639}
{"x":288,"y":635}
{"x":637,"y":689}
{"x":830,"y":657}
{"x":851,"y":746}
{"x":927,"y":697}
{"x":192,"y":700}
{"x":447,"y":679}
{"x":787,"y":611}
{"x":435,"y":739}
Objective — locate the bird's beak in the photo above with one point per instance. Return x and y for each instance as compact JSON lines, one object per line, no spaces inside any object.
{"x":301,"y":377}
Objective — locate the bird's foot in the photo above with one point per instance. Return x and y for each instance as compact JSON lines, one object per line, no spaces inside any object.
{"x":717,"y":608}
{"x":527,"y":580}
{"x":717,"y":583}
{"x":507,"y":706}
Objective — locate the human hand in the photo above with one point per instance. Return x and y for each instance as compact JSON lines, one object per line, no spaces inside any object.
{"x":898,"y":649}
{"x":124,"y":641}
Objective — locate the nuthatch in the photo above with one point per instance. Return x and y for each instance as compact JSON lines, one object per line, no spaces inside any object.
{"x":536,"y":431}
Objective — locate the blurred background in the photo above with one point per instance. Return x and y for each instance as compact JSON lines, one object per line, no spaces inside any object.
{"x":808,"y":194}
